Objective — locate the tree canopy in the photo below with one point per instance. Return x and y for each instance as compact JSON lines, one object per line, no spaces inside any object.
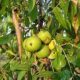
{"x":39,"y":39}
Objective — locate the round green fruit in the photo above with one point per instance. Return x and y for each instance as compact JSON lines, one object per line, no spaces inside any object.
{"x":45,"y":36}
{"x":44,"y":52}
{"x":32,"y":44}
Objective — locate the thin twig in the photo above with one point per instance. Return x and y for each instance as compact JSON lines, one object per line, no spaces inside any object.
{"x":73,"y":45}
{"x":67,"y":61}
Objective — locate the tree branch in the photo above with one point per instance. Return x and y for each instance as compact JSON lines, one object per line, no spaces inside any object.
{"x":75,"y":1}
{"x":40,"y":18}
{"x":18,"y":31}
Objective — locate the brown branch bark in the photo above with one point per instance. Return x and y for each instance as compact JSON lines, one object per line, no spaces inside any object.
{"x":18,"y":31}
{"x":40,"y":18}
{"x":75,"y":2}
{"x":15,"y":76}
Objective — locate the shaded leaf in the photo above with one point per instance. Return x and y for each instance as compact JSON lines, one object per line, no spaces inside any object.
{"x":77,"y":62}
{"x":60,"y":16}
{"x":3,"y":59}
{"x":4,"y":2}
{"x":34,"y":11}
{"x":53,"y":3}
{"x":10,"y":78}
{"x":64,"y":4}
{"x":15,"y":65}
{"x":21,"y":75}
{"x":45,"y":74}
{"x":76,"y":77}
{"x":73,"y":11}
{"x":6,"y":39}
{"x":31,"y":4}
{"x":65,"y":75}
{"x":78,"y":12}
{"x":59,"y":62}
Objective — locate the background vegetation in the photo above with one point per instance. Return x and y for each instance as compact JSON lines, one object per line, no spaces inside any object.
{"x":20,"y":19}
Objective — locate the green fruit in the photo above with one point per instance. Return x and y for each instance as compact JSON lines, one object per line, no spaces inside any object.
{"x":44,"y":52}
{"x":52,"y":44}
{"x":59,"y":62}
{"x":45,"y":36}
{"x":32,"y":44}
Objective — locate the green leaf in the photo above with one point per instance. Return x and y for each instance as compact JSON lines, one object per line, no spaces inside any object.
{"x":5,"y":3}
{"x":73,"y":11}
{"x":62,"y":75}
{"x":21,"y":75}
{"x":77,"y":62}
{"x":29,"y":75}
{"x":59,"y":62}
{"x":45,"y":74}
{"x":34,"y":11}
{"x":31,"y":4}
{"x":6,"y":39}
{"x":59,"y":38}
{"x":31,"y":61}
{"x":53,"y":3}
{"x":60,"y":16}
{"x":68,"y":23}
{"x":78,"y":12}
{"x":64,"y":5}
{"x":79,"y":45}
{"x":15,"y":65}
{"x":1,"y":77}
{"x":65,"y":75}
{"x":10,"y":78}
{"x":55,"y":76}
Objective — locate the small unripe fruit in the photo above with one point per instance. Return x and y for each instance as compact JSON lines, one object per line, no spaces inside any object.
{"x":32,"y":44}
{"x":44,"y":52}
{"x":52,"y":55}
{"x":45,"y":36}
{"x":52,"y":44}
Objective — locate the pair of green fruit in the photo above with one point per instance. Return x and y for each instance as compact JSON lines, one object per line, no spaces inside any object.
{"x":34,"y":44}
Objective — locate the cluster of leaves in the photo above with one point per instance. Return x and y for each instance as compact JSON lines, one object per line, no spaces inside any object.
{"x":61,"y":18}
